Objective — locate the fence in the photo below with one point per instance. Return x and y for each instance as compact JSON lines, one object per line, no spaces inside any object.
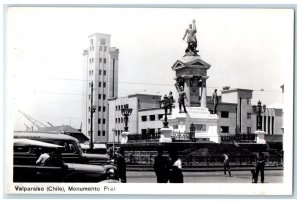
{"x":200,"y":160}
{"x":136,"y":138}
{"x":239,"y":138}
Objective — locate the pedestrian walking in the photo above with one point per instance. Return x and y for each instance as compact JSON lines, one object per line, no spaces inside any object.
{"x":161,"y":167}
{"x":176,"y":175}
{"x":260,"y":167}
{"x":226,"y":165}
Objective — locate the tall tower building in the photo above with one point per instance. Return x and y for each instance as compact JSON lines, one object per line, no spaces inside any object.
{"x":101,"y":66}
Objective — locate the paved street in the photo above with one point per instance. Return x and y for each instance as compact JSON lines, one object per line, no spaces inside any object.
{"x":271,"y":176}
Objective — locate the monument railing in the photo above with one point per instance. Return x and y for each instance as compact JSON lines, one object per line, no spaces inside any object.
{"x":239,"y":138}
{"x":148,"y":137}
{"x":154,"y":137}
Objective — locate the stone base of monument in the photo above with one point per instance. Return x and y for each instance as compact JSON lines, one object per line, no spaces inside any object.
{"x":165,"y":135}
{"x":124,"y":137}
{"x":206,"y":124}
{"x":260,"y":137}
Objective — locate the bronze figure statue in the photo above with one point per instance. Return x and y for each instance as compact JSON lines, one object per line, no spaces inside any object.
{"x":191,"y":38}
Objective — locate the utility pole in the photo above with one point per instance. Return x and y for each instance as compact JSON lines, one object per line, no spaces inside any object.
{"x":92,"y":111}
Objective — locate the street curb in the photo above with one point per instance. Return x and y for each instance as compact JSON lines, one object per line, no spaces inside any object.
{"x":205,"y":169}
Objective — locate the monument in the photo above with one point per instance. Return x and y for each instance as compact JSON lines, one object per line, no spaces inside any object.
{"x":190,"y":78}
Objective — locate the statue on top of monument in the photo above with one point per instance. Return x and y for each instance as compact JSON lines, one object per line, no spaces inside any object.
{"x":191,"y":38}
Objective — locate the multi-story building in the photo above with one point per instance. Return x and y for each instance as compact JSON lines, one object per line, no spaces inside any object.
{"x":101,"y":69}
{"x":235,"y":110}
{"x":142,"y":104}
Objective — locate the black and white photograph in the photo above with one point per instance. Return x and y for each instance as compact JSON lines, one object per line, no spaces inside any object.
{"x":149,"y":100}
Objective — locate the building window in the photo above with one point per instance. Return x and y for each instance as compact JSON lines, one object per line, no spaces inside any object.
{"x":248,"y":130}
{"x":103,"y":108}
{"x":103,"y":120}
{"x":99,"y":84}
{"x":100,"y":60}
{"x":119,"y":107}
{"x":116,"y":120}
{"x":122,"y":120}
{"x":249,"y":115}
{"x":104,"y":84}
{"x":105,"y":48}
{"x":99,"y":133}
{"x":99,"y":108}
{"x":272,"y":125}
{"x":89,"y":120}
{"x":160,"y":116}
{"x":103,"y":133}
{"x":152,"y":117}
{"x":144,"y":118}
{"x":92,"y":41}
{"x":104,"y":60}
{"x":248,"y":101}
{"x":116,"y":108}
{"x":265,"y":123}
{"x":92,"y":60}
{"x":144,"y":131}
{"x":269,"y":123}
{"x":119,"y":121}
{"x":224,"y":114}
{"x":99,"y":120}
{"x":104,"y":96}
{"x":104,"y":72}
{"x":89,"y":97}
{"x":102,"y":42}
{"x":224,"y":129}
{"x":99,"y":96}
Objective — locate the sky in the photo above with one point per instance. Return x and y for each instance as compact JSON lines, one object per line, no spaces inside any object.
{"x":246,"y":48}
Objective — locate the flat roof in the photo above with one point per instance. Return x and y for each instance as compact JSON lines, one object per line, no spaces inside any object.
{"x":235,"y":90}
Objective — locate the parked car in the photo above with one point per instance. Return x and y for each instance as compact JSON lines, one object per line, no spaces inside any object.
{"x":54,"y":169}
{"x":71,"y":153}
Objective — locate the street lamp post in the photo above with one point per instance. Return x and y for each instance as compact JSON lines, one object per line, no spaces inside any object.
{"x":165,"y":104}
{"x":126,"y":111}
{"x":93,"y":109}
{"x":259,"y":109}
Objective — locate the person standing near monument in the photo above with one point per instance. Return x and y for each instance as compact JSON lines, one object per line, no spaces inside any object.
{"x":226,"y":165}
{"x":121,"y":164}
{"x":161,"y":167}
{"x":260,"y":167}
{"x":176,"y":175}
{"x":191,"y":38}
{"x":215,"y":101}
{"x":181,"y":99}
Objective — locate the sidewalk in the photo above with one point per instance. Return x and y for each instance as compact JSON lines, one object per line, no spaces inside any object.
{"x":203,"y":168}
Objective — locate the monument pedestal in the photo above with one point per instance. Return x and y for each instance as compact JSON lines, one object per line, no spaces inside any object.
{"x":260,"y":137}
{"x":165,"y":135}
{"x":206,"y":124}
{"x":124,"y":137}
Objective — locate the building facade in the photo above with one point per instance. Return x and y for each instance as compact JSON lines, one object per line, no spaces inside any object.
{"x":235,"y":111}
{"x":101,"y":70}
{"x":142,"y":105}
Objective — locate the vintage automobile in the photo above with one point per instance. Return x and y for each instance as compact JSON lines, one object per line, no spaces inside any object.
{"x":56,"y":170}
{"x":71,"y":153}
